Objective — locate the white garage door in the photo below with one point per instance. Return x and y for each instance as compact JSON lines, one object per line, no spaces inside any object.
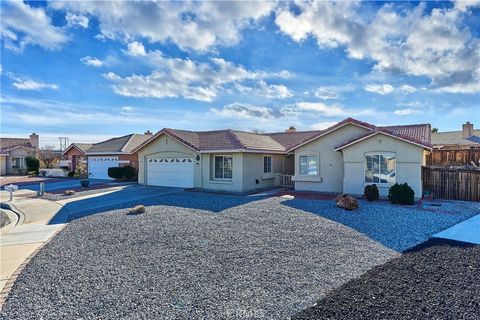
{"x":98,"y":166}
{"x":170,"y":172}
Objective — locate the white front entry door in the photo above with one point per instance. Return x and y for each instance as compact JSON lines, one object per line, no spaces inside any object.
{"x":170,"y":172}
{"x":98,"y":166}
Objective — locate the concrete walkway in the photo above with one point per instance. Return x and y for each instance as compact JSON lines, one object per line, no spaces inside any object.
{"x":465,"y":231}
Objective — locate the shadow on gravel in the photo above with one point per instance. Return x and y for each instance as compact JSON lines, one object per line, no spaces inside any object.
{"x":148,"y":196}
{"x":434,"y":280}
{"x":397,"y":227}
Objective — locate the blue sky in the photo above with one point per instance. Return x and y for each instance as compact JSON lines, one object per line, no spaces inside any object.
{"x":92,"y":70}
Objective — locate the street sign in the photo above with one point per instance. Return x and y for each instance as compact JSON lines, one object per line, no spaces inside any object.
{"x":11,"y":188}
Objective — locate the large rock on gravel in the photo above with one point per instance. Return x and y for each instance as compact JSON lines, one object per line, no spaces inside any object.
{"x":347,"y":202}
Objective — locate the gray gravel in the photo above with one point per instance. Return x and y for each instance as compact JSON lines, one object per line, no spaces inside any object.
{"x":258,"y":259}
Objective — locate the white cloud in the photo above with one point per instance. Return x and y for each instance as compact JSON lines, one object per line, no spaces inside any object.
{"x":408,"y":89}
{"x":22,"y":25}
{"x":247,"y":111}
{"x":197,"y":25}
{"x":382,"y":89}
{"x":263,"y":89}
{"x":334,"y":110}
{"x":76,"y":20}
{"x":28,"y":84}
{"x":434,"y":45}
{"x":175,"y":77}
{"x":92,"y":61}
{"x":329,"y":93}
{"x":136,"y":49}
{"x":404,"y":112}
{"x":322,"y":125}
{"x":127,"y":109}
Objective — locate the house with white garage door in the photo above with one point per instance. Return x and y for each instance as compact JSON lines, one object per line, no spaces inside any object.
{"x":343,"y":158}
{"x":115,"y":152}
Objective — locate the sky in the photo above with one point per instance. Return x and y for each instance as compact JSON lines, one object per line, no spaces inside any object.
{"x":92,"y":70}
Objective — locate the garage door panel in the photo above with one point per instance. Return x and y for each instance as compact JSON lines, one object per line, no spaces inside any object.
{"x":170,"y":172}
{"x":98,"y":166}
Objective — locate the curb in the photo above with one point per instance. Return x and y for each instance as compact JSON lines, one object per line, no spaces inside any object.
{"x":11,"y":281}
{"x":11,"y":207}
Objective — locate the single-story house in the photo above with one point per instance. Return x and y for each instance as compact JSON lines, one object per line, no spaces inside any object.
{"x":74,"y":153}
{"x":467,"y":138}
{"x":342,"y":158}
{"x":115,"y":152}
{"x":13,"y":152}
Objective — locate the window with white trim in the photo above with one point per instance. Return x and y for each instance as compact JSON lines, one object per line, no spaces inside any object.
{"x":223,"y":167}
{"x":380,"y":168}
{"x":267,"y":164}
{"x":308,"y":165}
{"x":18,"y":163}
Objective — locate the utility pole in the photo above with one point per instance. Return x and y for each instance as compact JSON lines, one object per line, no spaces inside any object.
{"x":63,"y":143}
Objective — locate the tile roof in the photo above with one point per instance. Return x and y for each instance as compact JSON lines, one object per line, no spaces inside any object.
{"x":280,"y":141}
{"x":83,"y":146}
{"x":124,"y":144}
{"x":455,"y":138}
{"x":8,"y":144}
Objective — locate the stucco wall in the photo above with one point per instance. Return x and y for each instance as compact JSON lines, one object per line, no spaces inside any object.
{"x":208,"y":182}
{"x":72,"y":156}
{"x":166,"y":146}
{"x":20,"y":152}
{"x":330,"y":173}
{"x":409,"y":159}
{"x":253,"y":171}
{"x":3,"y":165}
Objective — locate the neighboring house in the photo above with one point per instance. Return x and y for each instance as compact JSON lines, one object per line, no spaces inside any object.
{"x":74,"y":154}
{"x":115,"y":152}
{"x":342,"y":158}
{"x":467,"y":138}
{"x":13,"y":152}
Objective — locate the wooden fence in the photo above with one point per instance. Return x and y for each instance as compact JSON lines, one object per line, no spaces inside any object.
{"x":454,"y":157}
{"x":452,"y":184}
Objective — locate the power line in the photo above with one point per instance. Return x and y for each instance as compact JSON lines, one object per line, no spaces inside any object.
{"x":63,"y":143}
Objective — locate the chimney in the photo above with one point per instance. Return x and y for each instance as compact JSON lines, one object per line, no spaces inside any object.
{"x":34,"y":140}
{"x":291,"y":129}
{"x":148,"y":133}
{"x":467,"y":130}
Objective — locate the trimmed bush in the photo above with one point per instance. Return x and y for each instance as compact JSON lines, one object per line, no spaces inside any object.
{"x":115,"y":172}
{"x":71,"y":174}
{"x":371,"y":192}
{"x":129,"y":172}
{"x":33,"y":164}
{"x":401,"y":194}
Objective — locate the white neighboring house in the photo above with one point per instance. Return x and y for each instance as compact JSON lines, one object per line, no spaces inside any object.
{"x":13,"y":152}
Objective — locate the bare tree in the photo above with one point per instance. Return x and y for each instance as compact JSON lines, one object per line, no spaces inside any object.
{"x":48,"y":156}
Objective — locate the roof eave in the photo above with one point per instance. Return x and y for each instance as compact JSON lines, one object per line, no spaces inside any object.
{"x":424,"y":146}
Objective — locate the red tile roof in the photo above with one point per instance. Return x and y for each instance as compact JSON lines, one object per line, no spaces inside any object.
{"x":8,"y":144}
{"x":281,"y":141}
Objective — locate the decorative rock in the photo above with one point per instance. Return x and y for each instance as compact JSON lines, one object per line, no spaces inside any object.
{"x":346,"y":202}
{"x":137,"y":209}
{"x":69,"y":192}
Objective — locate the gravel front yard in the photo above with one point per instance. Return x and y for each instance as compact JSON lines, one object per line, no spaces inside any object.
{"x":440,"y":279}
{"x":396,"y":227}
{"x":259,"y":259}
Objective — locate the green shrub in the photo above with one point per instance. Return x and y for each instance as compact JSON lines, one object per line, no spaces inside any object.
{"x":371,"y":192}
{"x":401,"y":194}
{"x":71,"y":174}
{"x":115,"y":172}
{"x":129,"y":172}
{"x":33,"y":164}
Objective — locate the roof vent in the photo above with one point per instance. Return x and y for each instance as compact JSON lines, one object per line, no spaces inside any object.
{"x":291,"y":129}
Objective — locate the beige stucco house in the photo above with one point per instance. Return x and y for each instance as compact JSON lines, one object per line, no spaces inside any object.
{"x":342,"y":158}
{"x":13,"y":152}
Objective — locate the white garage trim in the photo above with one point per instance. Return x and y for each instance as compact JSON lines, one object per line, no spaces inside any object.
{"x":169,"y":171}
{"x":98,"y":166}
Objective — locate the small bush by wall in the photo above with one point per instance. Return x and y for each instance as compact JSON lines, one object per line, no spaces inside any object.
{"x":33,"y":164}
{"x":120,"y":173}
{"x":401,"y":194}
{"x":371,"y":192}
